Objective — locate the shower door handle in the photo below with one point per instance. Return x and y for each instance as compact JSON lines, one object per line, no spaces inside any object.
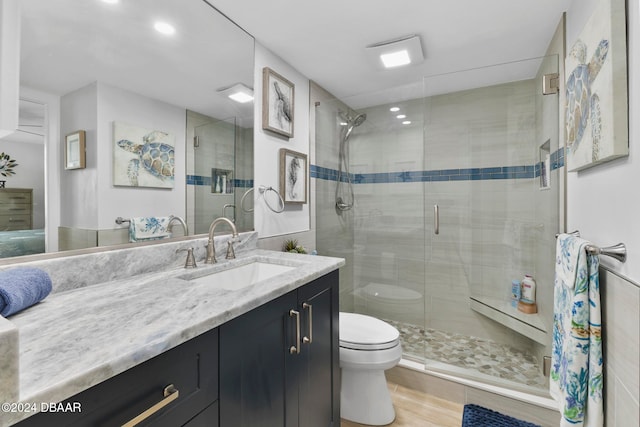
{"x":436,"y":219}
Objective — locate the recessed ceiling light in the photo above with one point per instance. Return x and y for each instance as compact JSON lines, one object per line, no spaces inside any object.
{"x":343,"y":123}
{"x":164,"y":28}
{"x":401,"y":116}
{"x":406,"y":122}
{"x":394,"y":109}
{"x":395,"y":59}
{"x":238,"y":92}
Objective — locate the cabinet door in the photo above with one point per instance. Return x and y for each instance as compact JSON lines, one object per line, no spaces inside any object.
{"x":319,"y":376}
{"x":258,"y":384}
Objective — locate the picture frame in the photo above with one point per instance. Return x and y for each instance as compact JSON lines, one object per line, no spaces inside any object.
{"x":293,"y":176}
{"x":278,"y":96}
{"x":596,"y":106}
{"x":143,"y":157}
{"x":75,"y":150}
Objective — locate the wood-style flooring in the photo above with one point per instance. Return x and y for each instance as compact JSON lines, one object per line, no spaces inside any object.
{"x":417,"y":409}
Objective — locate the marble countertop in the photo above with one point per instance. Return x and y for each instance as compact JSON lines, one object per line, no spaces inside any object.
{"x":79,"y":338}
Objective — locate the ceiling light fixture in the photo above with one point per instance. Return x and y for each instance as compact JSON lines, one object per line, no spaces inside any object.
{"x":397,"y":52}
{"x":406,"y":122}
{"x":401,"y":116}
{"x":239,"y":92}
{"x":394,"y":109}
{"x":164,"y":28}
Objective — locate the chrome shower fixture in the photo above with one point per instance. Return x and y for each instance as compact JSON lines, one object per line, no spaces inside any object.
{"x":345,"y":202}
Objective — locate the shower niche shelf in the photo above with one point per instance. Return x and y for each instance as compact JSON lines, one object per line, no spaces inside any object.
{"x":530,"y":325}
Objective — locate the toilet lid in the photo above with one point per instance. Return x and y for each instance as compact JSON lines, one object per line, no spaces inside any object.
{"x":361,"y":332}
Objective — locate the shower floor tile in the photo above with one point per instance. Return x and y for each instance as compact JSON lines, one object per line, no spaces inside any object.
{"x":475,"y":354}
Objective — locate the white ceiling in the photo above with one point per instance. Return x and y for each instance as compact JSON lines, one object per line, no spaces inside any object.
{"x":325,"y":40}
{"x":68,"y":44}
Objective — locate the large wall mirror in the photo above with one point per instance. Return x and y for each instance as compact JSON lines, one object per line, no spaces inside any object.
{"x":146,"y":83}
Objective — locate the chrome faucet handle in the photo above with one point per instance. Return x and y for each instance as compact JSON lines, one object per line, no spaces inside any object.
{"x":191,"y":259}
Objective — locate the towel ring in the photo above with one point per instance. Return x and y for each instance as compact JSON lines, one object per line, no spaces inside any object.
{"x":263,"y":189}
{"x":244,"y":196}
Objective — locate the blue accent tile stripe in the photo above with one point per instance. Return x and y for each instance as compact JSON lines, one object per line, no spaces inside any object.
{"x":466,"y":174}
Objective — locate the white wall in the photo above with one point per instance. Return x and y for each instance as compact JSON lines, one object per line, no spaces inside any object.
{"x":603,"y":203}
{"x":295,"y":218}
{"x":90,"y":200}
{"x":115,"y":104}
{"x":28,"y":174}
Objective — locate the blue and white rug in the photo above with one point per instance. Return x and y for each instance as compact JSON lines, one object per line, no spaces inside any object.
{"x":477,"y":416}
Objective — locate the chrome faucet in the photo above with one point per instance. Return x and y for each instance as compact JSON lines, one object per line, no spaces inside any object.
{"x":181,"y":221}
{"x":211,"y":250}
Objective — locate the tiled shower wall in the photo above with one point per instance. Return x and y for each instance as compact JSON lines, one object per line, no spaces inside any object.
{"x":477,"y":160}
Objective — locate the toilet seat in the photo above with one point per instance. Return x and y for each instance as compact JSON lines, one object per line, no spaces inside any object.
{"x":361,"y":332}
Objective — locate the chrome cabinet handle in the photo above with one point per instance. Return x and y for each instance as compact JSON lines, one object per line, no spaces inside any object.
{"x":170,"y":394}
{"x":309,"y":339}
{"x":436,"y":219}
{"x":295,"y":349}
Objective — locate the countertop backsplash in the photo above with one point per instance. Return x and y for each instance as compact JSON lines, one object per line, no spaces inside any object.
{"x":77,"y":271}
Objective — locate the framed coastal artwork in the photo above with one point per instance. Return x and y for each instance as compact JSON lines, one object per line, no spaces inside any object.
{"x":277,"y":103}
{"x":293,"y":176}
{"x":596,"y":109}
{"x":142,"y":157}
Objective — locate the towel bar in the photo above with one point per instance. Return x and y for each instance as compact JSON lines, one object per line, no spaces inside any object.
{"x":120,"y":220}
{"x":618,"y":252}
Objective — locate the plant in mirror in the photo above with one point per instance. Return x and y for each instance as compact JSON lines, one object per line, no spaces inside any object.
{"x":89,"y":65}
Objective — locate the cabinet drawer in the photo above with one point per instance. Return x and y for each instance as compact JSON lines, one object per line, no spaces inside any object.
{"x":16,"y":196}
{"x":15,"y":222}
{"x":15,"y":209}
{"x":191,"y":367}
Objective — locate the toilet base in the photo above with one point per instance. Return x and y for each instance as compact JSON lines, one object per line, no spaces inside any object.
{"x":365,"y":398}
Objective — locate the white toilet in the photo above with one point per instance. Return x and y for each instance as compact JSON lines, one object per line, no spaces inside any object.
{"x":368,"y":346}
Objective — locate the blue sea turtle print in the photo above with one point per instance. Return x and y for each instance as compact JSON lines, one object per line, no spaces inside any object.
{"x":583,"y":106}
{"x":157,"y":158}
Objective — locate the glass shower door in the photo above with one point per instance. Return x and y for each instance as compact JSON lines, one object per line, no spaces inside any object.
{"x":214,"y":165}
{"x":489,"y":133}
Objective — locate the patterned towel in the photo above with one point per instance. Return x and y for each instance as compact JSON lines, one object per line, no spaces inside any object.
{"x":576,"y":361}
{"x":148,"y":228}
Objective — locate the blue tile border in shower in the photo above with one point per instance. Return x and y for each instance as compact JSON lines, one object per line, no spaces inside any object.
{"x":464,"y":174}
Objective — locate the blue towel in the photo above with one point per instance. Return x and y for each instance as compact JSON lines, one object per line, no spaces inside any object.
{"x":21,"y":288}
{"x":149,"y":228}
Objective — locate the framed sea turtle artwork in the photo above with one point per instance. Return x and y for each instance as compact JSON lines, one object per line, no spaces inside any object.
{"x":596,"y":108}
{"x":142,"y":157}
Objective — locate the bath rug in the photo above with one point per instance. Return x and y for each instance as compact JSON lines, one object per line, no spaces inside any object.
{"x":477,"y":416}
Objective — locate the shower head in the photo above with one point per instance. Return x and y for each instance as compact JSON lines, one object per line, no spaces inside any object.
{"x":353,"y":121}
{"x":359,"y":119}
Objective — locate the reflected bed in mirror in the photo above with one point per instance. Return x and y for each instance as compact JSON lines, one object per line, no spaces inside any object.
{"x":90,"y":64}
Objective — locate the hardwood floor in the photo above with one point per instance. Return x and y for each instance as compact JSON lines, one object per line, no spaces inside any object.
{"x":417,"y":409}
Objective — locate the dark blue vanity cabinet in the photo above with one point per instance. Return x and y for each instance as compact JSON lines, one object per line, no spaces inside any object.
{"x":191,"y":368}
{"x":279,"y":363}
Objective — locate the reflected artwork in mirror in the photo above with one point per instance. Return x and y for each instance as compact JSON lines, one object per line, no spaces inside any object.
{"x":90,"y":64}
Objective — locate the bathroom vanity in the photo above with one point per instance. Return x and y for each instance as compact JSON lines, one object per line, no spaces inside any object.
{"x":188,"y":347}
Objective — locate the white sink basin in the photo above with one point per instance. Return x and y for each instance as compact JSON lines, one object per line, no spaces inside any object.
{"x":236,"y":278}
